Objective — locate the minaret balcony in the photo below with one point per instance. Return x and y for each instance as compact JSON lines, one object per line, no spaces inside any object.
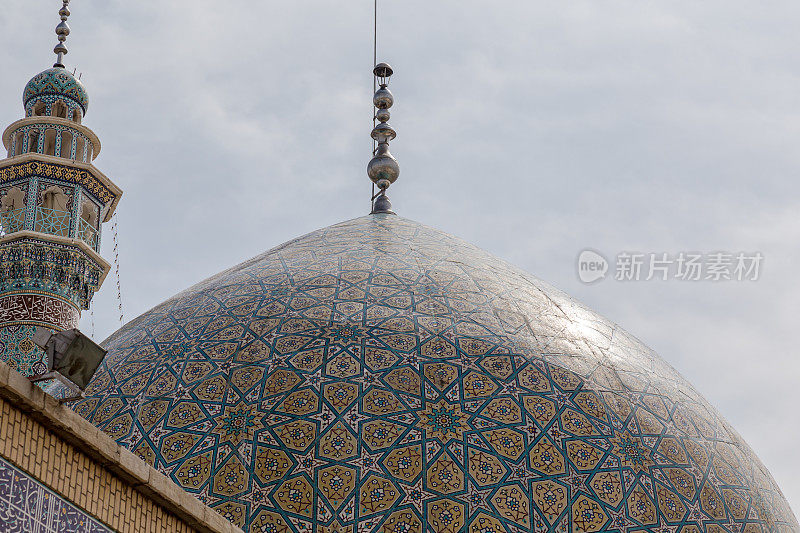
{"x":50,"y":196}
{"x":48,"y":172}
{"x":52,"y":222}
{"x":51,"y":136}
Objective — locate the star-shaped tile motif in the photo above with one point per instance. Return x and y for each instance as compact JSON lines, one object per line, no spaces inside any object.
{"x":368,"y":462}
{"x":478,"y":498}
{"x":577,"y":482}
{"x":308,"y":463}
{"x":415,"y":495}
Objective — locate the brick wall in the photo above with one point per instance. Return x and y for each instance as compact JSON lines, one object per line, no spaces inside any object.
{"x":86,"y":467}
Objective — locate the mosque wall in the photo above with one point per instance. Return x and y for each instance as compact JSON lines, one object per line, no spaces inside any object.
{"x":60,"y":473}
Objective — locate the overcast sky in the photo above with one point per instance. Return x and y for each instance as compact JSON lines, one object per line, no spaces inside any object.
{"x":533,"y":129}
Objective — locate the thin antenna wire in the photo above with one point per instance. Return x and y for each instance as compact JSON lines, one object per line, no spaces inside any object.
{"x":374,"y":89}
{"x":115,"y":232}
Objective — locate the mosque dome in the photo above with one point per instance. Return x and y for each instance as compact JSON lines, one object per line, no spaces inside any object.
{"x":55,"y":83}
{"x":379,"y":375}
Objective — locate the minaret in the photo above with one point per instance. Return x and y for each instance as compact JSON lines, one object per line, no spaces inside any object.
{"x":53,"y":202}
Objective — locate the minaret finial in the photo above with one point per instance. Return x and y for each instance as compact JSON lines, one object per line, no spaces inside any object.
{"x":383,"y":169}
{"x":62,"y":30}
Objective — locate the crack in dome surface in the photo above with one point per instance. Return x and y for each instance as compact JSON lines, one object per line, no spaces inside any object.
{"x":382,"y":376}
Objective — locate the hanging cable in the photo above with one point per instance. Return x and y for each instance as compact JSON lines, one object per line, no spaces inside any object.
{"x":115,"y":233}
{"x":91,"y":318}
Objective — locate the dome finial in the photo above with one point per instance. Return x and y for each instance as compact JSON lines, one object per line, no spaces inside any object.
{"x":383,"y":169}
{"x":62,"y":30}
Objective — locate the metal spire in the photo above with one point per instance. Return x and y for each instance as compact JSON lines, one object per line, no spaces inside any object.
{"x":383,"y":169}
{"x":62,"y":30}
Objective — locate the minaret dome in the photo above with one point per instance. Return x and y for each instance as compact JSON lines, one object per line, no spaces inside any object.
{"x":52,"y":86}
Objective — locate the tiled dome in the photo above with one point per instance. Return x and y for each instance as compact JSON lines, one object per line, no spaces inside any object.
{"x":381,"y":376}
{"x":56,"y":82}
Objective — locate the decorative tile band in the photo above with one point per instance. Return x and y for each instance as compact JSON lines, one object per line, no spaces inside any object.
{"x":62,"y":172}
{"x":36,"y":266}
{"x":27,"y":505}
{"x":38,"y":309}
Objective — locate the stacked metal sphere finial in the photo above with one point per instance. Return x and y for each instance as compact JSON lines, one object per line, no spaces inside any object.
{"x":62,"y":31}
{"x":383,"y":169}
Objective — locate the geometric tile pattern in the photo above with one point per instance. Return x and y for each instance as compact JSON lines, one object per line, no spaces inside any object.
{"x":11,"y":220}
{"x":382,"y":376}
{"x":53,"y":221}
{"x":27,"y":506}
{"x":18,"y":350}
{"x":92,"y":185}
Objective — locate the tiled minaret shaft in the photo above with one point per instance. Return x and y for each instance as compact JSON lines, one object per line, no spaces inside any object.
{"x":53,"y":202}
